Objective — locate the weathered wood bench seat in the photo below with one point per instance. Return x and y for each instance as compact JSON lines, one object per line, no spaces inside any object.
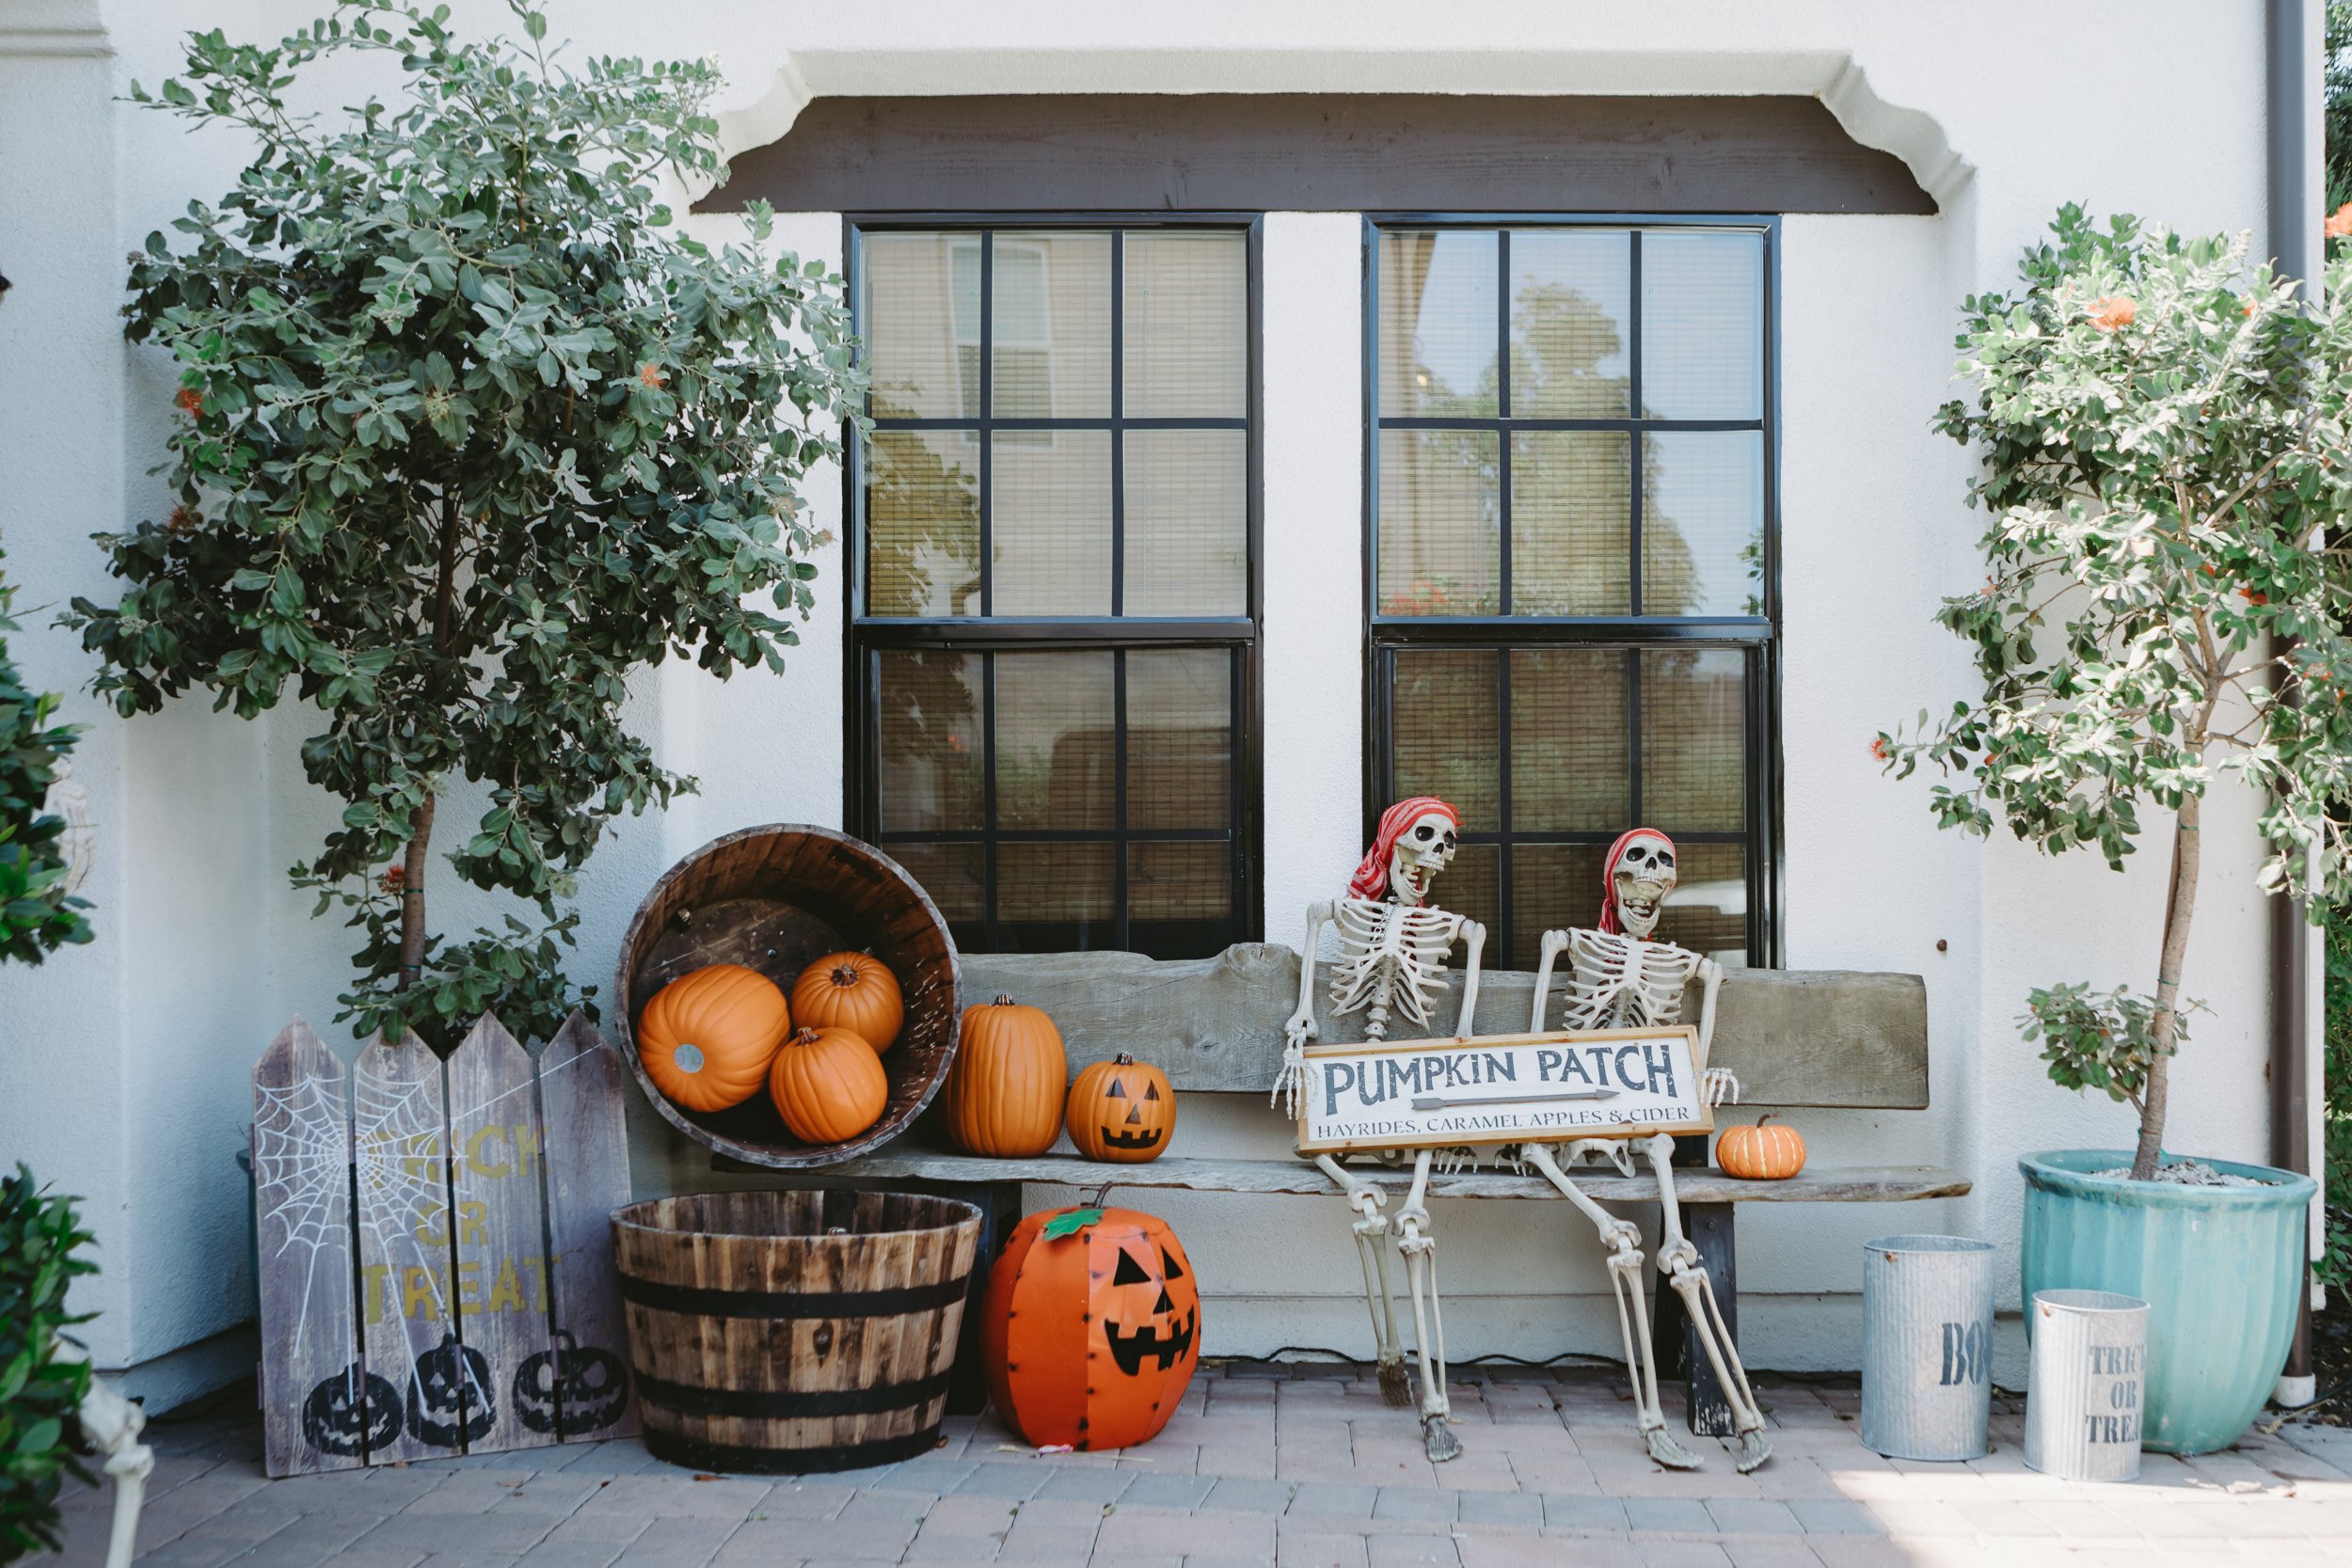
{"x":1828,"y":1038}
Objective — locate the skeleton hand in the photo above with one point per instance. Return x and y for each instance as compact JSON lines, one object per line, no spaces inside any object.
{"x":1296,"y":1031}
{"x":1718,"y":1084}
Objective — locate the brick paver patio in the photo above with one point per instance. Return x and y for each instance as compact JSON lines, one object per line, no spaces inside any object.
{"x":1299,"y":1467}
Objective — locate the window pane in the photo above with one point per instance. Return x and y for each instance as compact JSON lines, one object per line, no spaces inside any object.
{"x":1180,"y":738}
{"x":1055,"y":897}
{"x":1051,"y":523}
{"x":1553,"y":887}
{"x":919,"y":314}
{"x":931,"y":751}
{"x":1568,"y":743}
{"x":1440,"y":550}
{"x":1571,"y":314}
{"x":922,"y":523}
{"x":1187,"y":522}
{"x":1438,"y":322}
{"x":1444,"y":709}
{"x":1051,"y":334}
{"x":1703,"y":523}
{"x":1469,"y":887}
{"x":1702,"y":325}
{"x":1709,"y":911}
{"x":1571,"y":523}
{"x":1693,"y":767}
{"x":1186,"y":302}
{"x":1189,"y":882}
{"x":1055,"y":741}
{"x":952,"y":875}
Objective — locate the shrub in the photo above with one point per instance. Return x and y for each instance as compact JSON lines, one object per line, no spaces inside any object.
{"x":40,"y":1239}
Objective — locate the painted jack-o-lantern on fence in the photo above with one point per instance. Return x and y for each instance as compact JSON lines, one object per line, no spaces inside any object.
{"x":345,"y":1415}
{"x":589,"y":1391}
{"x":1091,"y":1329}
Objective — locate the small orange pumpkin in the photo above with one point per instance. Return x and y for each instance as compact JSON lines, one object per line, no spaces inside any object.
{"x":705,"y":1038}
{"x":827,"y":1085}
{"x":851,"y":990}
{"x":1760,"y":1153}
{"x":1121,"y":1110}
{"x":1005,"y":1091}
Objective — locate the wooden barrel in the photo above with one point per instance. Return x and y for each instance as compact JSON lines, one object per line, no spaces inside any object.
{"x":775,"y":899}
{"x":793,"y":1332}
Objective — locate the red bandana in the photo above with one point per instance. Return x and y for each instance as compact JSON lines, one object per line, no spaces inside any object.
{"x":1372,"y":877}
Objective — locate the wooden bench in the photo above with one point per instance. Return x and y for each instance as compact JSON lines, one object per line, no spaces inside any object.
{"x":1795,"y":1038}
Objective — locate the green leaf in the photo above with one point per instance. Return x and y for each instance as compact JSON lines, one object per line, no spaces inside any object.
{"x":1070,"y":1222}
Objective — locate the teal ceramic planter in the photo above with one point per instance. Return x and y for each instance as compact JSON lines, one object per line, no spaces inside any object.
{"x":2220,"y":1268}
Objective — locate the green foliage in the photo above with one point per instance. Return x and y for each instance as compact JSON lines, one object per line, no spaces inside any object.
{"x":40,"y":1236}
{"x":2104,"y":1041}
{"x":2165,"y":470}
{"x":2338,"y":113}
{"x":2335,"y":1269}
{"x":37,"y":916}
{"x":468,"y":433}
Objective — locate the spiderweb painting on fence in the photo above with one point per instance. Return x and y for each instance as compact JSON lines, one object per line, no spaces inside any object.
{"x":435,"y":1266}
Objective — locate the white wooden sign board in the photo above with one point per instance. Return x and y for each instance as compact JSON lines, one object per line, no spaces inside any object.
{"x":1503,"y":1090}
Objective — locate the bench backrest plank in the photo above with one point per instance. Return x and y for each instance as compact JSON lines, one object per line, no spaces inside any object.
{"x":1798,"y":1037}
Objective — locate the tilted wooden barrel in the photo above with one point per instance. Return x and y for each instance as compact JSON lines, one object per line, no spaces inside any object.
{"x":793,"y":1332}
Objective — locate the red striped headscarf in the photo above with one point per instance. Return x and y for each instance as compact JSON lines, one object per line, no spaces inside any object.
{"x":1609,"y":874}
{"x":1372,"y":876}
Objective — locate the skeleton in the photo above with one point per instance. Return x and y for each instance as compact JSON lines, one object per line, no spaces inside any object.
{"x":1392,"y":943}
{"x":1619,"y":978}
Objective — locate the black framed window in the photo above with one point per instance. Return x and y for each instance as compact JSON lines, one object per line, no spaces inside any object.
{"x":1572,"y":563}
{"x":1054,"y":603}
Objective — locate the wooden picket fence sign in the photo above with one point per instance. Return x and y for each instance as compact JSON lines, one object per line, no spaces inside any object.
{"x":358,"y":1174}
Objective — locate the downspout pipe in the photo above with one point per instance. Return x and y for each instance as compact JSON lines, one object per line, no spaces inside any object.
{"x":2295,"y":61}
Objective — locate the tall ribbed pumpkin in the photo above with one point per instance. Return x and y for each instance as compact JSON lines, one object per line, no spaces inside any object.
{"x":827,"y":1085}
{"x":1004,"y":1092}
{"x":1090,"y":1328}
{"x":851,"y":990}
{"x":706,"y":1037}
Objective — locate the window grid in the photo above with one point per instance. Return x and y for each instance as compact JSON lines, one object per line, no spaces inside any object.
{"x":989,"y":636}
{"x":1498,"y":635}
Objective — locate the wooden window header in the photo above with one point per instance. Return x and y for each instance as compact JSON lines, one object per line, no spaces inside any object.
{"x":1378,"y":152}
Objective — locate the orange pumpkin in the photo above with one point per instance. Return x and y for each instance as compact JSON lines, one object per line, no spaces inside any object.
{"x":1090,"y":1327}
{"x":1005,"y":1091}
{"x":851,"y":990}
{"x":705,"y":1038}
{"x":827,"y":1085}
{"x":1121,"y":1110}
{"x":1760,"y":1153}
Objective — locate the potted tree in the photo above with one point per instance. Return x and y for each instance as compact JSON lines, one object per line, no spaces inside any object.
{"x":468,"y":432}
{"x":2165,"y":472}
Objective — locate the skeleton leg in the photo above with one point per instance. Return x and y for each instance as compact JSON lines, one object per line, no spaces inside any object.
{"x":1680,"y":1261}
{"x":1372,"y":1250}
{"x":1625,"y":1278}
{"x":1420,"y":1269}
{"x":112,"y":1424}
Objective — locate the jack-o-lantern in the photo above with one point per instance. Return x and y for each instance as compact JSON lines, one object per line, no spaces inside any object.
{"x":448,"y":1395}
{"x":346,"y":1417}
{"x":1090,"y":1328}
{"x":1121,"y":1110}
{"x":588,"y":1392}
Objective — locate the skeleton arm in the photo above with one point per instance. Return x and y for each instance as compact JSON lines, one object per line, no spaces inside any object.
{"x":1553,"y":943}
{"x":1716,"y":1083}
{"x":1300,"y":1026}
{"x":1466,"y":1024}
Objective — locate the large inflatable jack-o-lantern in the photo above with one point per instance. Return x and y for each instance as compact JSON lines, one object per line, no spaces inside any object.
{"x":1091,"y":1327}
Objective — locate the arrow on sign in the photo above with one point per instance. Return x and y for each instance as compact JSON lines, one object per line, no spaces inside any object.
{"x":1447,"y":1102}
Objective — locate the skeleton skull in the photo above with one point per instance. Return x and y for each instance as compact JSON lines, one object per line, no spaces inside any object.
{"x":1421,"y":851}
{"x":1640,"y":880}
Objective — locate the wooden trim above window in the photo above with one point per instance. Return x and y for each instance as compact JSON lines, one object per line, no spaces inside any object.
{"x":1319,"y":152}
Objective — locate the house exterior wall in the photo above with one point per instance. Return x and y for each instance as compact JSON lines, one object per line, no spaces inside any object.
{"x":129,"y":1059}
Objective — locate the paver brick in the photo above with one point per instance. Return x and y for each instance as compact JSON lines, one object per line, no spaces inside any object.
{"x":1516,"y":1509}
{"x":1680,"y":1516}
{"x":1325,"y":1499}
{"x":1301,"y":1550}
{"x":991,"y":1478}
{"x":1412,"y":1502}
{"x":1749,"y":1516}
{"x":1151,"y":1491}
{"x":1237,"y":1495}
{"x":1090,"y":1484}
{"x":1595,"y":1516}
{"x":1410,"y":1551}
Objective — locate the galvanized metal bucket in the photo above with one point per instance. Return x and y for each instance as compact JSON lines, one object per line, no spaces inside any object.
{"x":2090,"y":1369}
{"x":1927,"y":1346}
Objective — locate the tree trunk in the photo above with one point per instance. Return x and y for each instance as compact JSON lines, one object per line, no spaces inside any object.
{"x":412,"y":895}
{"x":2186,"y":851}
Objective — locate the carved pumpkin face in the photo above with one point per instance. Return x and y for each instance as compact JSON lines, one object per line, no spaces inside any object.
{"x":448,"y":1395}
{"x":1121,"y":1110}
{"x":347,"y":1418}
{"x":1091,"y":1327}
{"x":571,"y":1392}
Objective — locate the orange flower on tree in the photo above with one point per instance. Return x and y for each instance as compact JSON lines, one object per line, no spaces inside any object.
{"x":1878,"y":748}
{"x":191,"y":400}
{"x":650,"y":373}
{"x":2110,"y":312}
{"x":2338,"y":224}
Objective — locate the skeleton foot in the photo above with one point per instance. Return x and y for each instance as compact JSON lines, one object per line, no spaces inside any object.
{"x":1663,"y":1449}
{"x":1754,"y":1450}
{"x":1438,"y":1440}
{"x":1396,"y":1389}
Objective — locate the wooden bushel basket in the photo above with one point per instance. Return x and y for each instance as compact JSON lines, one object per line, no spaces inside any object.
{"x":775,"y":899}
{"x":793,"y":1332}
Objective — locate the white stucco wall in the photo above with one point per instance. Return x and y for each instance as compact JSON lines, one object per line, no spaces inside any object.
{"x":129,"y":1059}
